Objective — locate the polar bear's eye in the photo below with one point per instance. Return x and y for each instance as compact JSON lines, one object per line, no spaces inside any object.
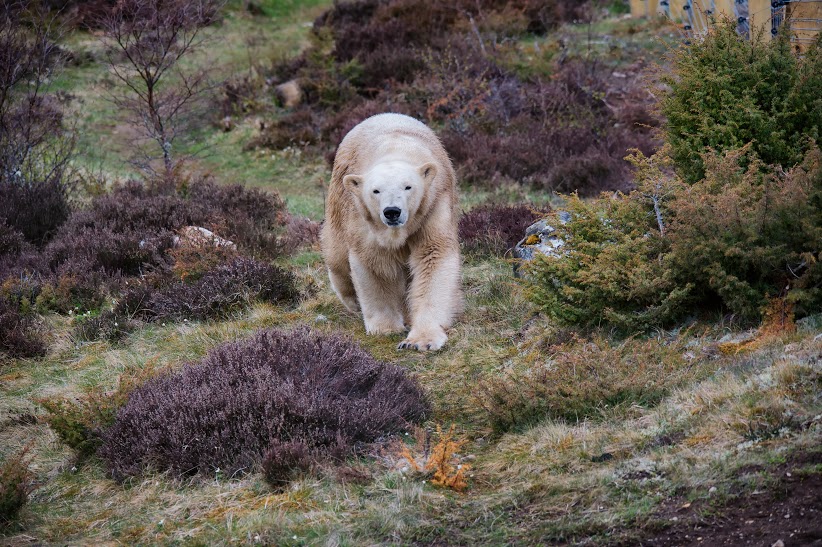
{"x":407,"y":187}
{"x":376,"y":191}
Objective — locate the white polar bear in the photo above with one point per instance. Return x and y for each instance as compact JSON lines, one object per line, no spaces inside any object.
{"x":390,"y":234}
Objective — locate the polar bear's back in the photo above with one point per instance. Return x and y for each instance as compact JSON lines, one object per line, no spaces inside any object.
{"x":384,"y":124}
{"x":384,"y":135}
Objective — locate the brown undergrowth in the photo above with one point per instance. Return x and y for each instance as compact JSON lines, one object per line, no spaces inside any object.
{"x":440,"y":462}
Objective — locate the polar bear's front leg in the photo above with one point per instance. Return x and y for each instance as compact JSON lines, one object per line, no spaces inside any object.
{"x":435,"y":297}
{"x":344,"y":288}
{"x":381,"y":296}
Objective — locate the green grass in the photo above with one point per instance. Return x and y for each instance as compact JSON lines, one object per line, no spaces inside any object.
{"x":239,"y":43}
{"x":615,"y":43}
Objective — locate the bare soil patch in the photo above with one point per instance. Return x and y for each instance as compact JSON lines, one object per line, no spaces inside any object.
{"x":790,"y":512}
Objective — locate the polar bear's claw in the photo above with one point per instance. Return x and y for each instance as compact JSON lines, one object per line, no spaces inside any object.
{"x":427,"y":341}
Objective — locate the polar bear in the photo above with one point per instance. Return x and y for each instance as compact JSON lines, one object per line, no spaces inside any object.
{"x":390,"y":235}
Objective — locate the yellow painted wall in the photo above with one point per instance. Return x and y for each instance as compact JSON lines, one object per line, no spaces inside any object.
{"x":806,"y":22}
{"x":677,"y":13}
{"x":644,"y":8}
{"x":806,"y":16}
{"x":725,"y":7}
{"x":759,"y":13}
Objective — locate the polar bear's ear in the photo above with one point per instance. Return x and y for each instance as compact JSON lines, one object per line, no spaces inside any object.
{"x":428,"y":171}
{"x":352,"y":181}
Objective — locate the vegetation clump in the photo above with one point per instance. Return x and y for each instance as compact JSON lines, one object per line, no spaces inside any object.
{"x":18,"y":337}
{"x":280,"y":399}
{"x":495,"y":228}
{"x":726,"y":91}
{"x":15,"y":484}
{"x":669,"y":249}
{"x":36,"y":143}
{"x":131,"y":232}
{"x":228,"y":288}
{"x":80,"y":421}
{"x":443,"y":64}
{"x":723,"y":218}
{"x":589,"y":379}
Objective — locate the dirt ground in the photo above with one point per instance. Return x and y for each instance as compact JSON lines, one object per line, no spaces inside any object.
{"x":789,"y":511}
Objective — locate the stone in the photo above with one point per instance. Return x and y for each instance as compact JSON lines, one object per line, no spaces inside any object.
{"x":227,"y":124}
{"x":197,"y":236}
{"x":290,"y":94}
{"x":810,"y":324}
{"x":540,"y":238}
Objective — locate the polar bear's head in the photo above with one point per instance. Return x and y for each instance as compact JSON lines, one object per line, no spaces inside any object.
{"x":392,"y":191}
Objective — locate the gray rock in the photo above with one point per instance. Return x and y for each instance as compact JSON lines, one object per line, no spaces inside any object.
{"x":810,"y":324}
{"x":540,"y":238}
{"x":738,"y":337}
{"x":197,"y":236}
{"x":290,"y":94}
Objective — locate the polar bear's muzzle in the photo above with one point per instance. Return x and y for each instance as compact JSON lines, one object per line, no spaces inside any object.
{"x":392,"y":216}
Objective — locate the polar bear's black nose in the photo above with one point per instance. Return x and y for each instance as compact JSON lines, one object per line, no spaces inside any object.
{"x":392,"y":214}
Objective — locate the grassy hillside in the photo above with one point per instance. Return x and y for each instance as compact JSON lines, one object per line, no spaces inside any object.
{"x":675,"y":435}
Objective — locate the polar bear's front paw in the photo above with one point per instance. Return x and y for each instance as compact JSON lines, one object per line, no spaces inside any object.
{"x":427,"y":340}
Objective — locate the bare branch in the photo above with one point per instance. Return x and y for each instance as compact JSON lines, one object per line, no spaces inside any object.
{"x":146,"y":39}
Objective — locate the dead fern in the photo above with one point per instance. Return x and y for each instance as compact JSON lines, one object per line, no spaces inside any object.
{"x":439,"y":462}
{"x":778,"y":316}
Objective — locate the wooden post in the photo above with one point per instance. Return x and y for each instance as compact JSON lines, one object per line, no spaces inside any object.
{"x":701,"y":14}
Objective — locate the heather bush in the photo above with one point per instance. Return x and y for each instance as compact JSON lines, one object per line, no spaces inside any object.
{"x":588,"y":379}
{"x":250,"y":217}
{"x":35,"y":209}
{"x":136,"y":210}
{"x":12,"y":241}
{"x":132,"y":232}
{"x":193,"y":259}
{"x":227,"y":289}
{"x":239,"y":95}
{"x":83,"y":14}
{"x":15,"y":484}
{"x":496,"y":228}
{"x":300,"y":232}
{"x":558,"y":135}
{"x":18,"y":335}
{"x":106,"y":326}
{"x":439,"y":62}
{"x":280,"y":395}
{"x":727,"y":91}
{"x":284,"y":460}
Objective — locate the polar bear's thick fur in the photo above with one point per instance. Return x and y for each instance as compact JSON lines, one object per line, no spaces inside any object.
{"x":390,"y":233}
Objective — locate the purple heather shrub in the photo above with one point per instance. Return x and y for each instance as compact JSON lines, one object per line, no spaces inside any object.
{"x":281,"y":399}
{"x":217,"y":294}
{"x":18,"y":337}
{"x":495,"y":228}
